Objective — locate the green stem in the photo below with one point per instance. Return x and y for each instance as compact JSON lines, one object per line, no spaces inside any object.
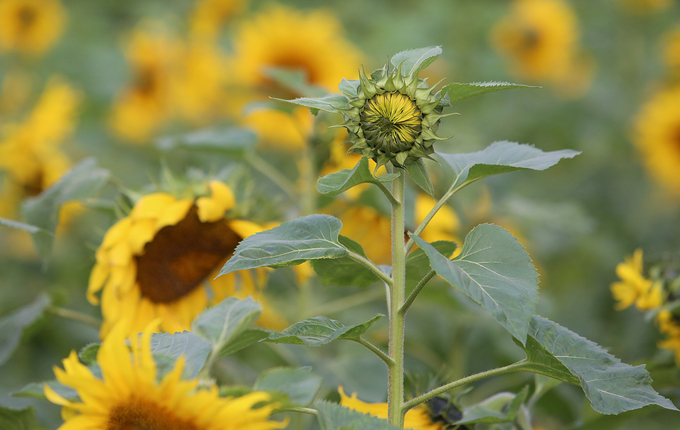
{"x":308,"y":178}
{"x":416,"y":291}
{"x":377,"y":351}
{"x":370,"y":266}
{"x":302,"y":410}
{"x":514,"y":367}
{"x":259,"y":164}
{"x":437,"y":206}
{"x":74,"y":315}
{"x":387,"y":193}
{"x":395,"y":394}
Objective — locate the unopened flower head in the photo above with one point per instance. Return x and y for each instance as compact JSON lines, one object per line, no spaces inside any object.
{"x":393,"y":118}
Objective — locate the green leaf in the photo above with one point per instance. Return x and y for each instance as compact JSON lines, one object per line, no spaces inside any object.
{"x":13,"y":325}
{"x":499,"y":408}
{"x":194,"y":349}
{"x":88,"y":353}
{"x":224,"y":322}
{"x":418,"y":265}
{"x":42,"y":211}
{"x":418,"y":172}
{"x":23,"y":226}
{"x":299,"y":386}
{"x":332,"y":416}
{"x":459,"y":91}
{"x":307,"y":238}
{"x":18,"y":419}
{"x":339,"y":182}
{"x":234,"y":142}
{"x":494,"y":270}
{"x":349,"y":87}
{"x":611,"y":386}
{"x":345,"y":272}
{"x":502,"y":157}
{"x":36,"y":390}
{"x":331,"y":103}
{"x":294,"y":80}
{"x":319,"y":331}
{"x":243,"y":340}
{"x":415,"y":60}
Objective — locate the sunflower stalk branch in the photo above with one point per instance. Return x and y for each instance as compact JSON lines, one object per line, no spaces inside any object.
{"x":259,"y":164}
{"x":370,"y":266}
{"x":308,"y":411}
{"x":411,"y":298}
{"x":377,"y":351}
{"x":74,"y":316}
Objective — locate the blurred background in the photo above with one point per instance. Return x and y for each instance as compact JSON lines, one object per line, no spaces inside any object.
{"x":110,"y":79}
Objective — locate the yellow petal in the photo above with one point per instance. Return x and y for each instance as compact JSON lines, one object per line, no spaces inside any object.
{"x":174,"y":213}
{"x":141,"y":233}
{"x":212,"y":208}
{"x":151,"y":206}
{"x":244,"y":228}
{"x":97,"y":278}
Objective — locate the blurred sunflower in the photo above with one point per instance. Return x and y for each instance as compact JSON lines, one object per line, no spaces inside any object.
{"x":669,"y":325}
{"x":281,"y":37}
{"x":443,"y":226}
{"x":279,"y":130}
{"x":29,"y":151}
{"x":417,"y":418}
{"x":540,"y":40}
{"x":209,"y":15}
{"x":657,"y":136}
{"x":646,"y":6}
{"x":671,"y":51}
{"x":128,"y":395}
{"x":30,"y":26}
{"x":634,"y":287}
{"x":14,"y":91}
{"x":371,"y":229}
{"x":161,"y":260}
{"x":144,"y":105}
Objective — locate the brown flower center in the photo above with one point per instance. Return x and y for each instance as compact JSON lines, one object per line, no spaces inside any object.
{"x":139,"y":414}
{"x":34,"y":186}
{"x":27,"y":16}
{"x":181,"y":256}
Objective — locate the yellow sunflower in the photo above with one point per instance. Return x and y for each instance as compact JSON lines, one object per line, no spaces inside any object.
{"x":540,"y":40}
{"x":161,"y":260}
{"x":634,"y":287}
{"x":671,"y":51}
{"x":128,"y":396}
{"x":417,"y":418}
{"x":281,"y":37}
{"x":657,"y":136}
{"x":209,"y":15}
{"x":371,"y":229}
{"x":30,"y":26}
{"x":281,"y":131}
{"x":670,"y":326}
{"x":444,"y":225}
{"x":144,"y":105}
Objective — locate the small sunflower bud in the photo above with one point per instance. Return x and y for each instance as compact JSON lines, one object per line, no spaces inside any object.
{"x":393,"y":118}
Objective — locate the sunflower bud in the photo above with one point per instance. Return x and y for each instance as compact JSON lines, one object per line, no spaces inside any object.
{"x":393,"y":118}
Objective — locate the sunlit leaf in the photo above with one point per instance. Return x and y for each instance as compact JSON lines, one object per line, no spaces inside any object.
{"x":319,"y":331}
{"x":13,"y":325}
{"x":330,"y":103}
{"x":418,"y":265}
{"x":18,"y":419}
{"x":499,"y":408}
{"x":494,"y":270}
{"x":194,"y":349}
{"x":299,"y":386}
{"x":307,"y":238}
{"x":339,"y":182}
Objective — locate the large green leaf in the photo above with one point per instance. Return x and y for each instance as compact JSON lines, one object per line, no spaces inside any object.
{"x":499,"y":408}
{"x":13,"y":325}
{"x":611,"y":386}
{"x":243,"y":340}
{"x":459,"y":91}
{"x":339,"y":182}
{"x":331,"y":103}
{"x":194,"y":349}
{"x":307,"y":238}
{"x":319,"y":331}
{"x":414,"y":60}
{"x":494,"y":270}
{"x":225,"y":322}
{"x":418,"y":265}
{"x":345,"y":272}
{"x":18,"y":419}
{"x":502,"y":157}
{"x":227,"y":141}
{"x":332,"y":416}
{"x":418,"y":173}
{"x":42,"y":211}
{"x":299,"y":386}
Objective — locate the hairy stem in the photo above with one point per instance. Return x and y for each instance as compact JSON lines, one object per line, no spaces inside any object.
{"x":416,"y":291}
{"x":370,"y":266}
{"x":395,"y":397}
{"x":377,"y":351}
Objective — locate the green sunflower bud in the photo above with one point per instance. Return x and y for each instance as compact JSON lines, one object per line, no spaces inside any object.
{"x":393,"y":118}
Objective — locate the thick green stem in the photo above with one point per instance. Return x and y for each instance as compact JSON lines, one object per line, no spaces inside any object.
{"x":74,"y":315}
{"x":514,"y":367}
{"x":416,"y":291}
{"x":370,"y":266}
{"x":395,"y":397}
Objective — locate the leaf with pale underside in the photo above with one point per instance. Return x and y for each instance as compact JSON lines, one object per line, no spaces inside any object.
{"x":319,"y":331}
{"x":294,"y":242}
{"x":12,"y":326}
{"x":611,"y":386}
{"x":194,"y":349}
{"x":499,"y":408}
{"x":458,"y":91}
{"x":501,"y":157}
{"x":336,"y":183}
{"x":418,"y":173}
{"x":414,"y":60}
{"x":494,"y":270}
{"x":330,"y":103}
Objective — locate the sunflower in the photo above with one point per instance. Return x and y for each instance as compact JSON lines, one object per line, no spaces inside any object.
{"x":417,"y":418}
{"x":657,"y":136}
{"x":671,"y":51}
{"x":129,"y":394}
{"x":160,"y":262}
{"x":540,"y":39}
{"x":14,"y":91}
{"x":209,"y":15}
{"x":444,"y":225}
{"x":281,"y":131}
{"x":145,"y":104}
{"x":371,"y":229}
{"x":30,"y":26}
{"x":634,"y":287}
{"x":670,"y":326}
{"x":281,"y":37}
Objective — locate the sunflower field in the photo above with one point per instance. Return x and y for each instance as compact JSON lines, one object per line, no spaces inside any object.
{"x":357,"y":215}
